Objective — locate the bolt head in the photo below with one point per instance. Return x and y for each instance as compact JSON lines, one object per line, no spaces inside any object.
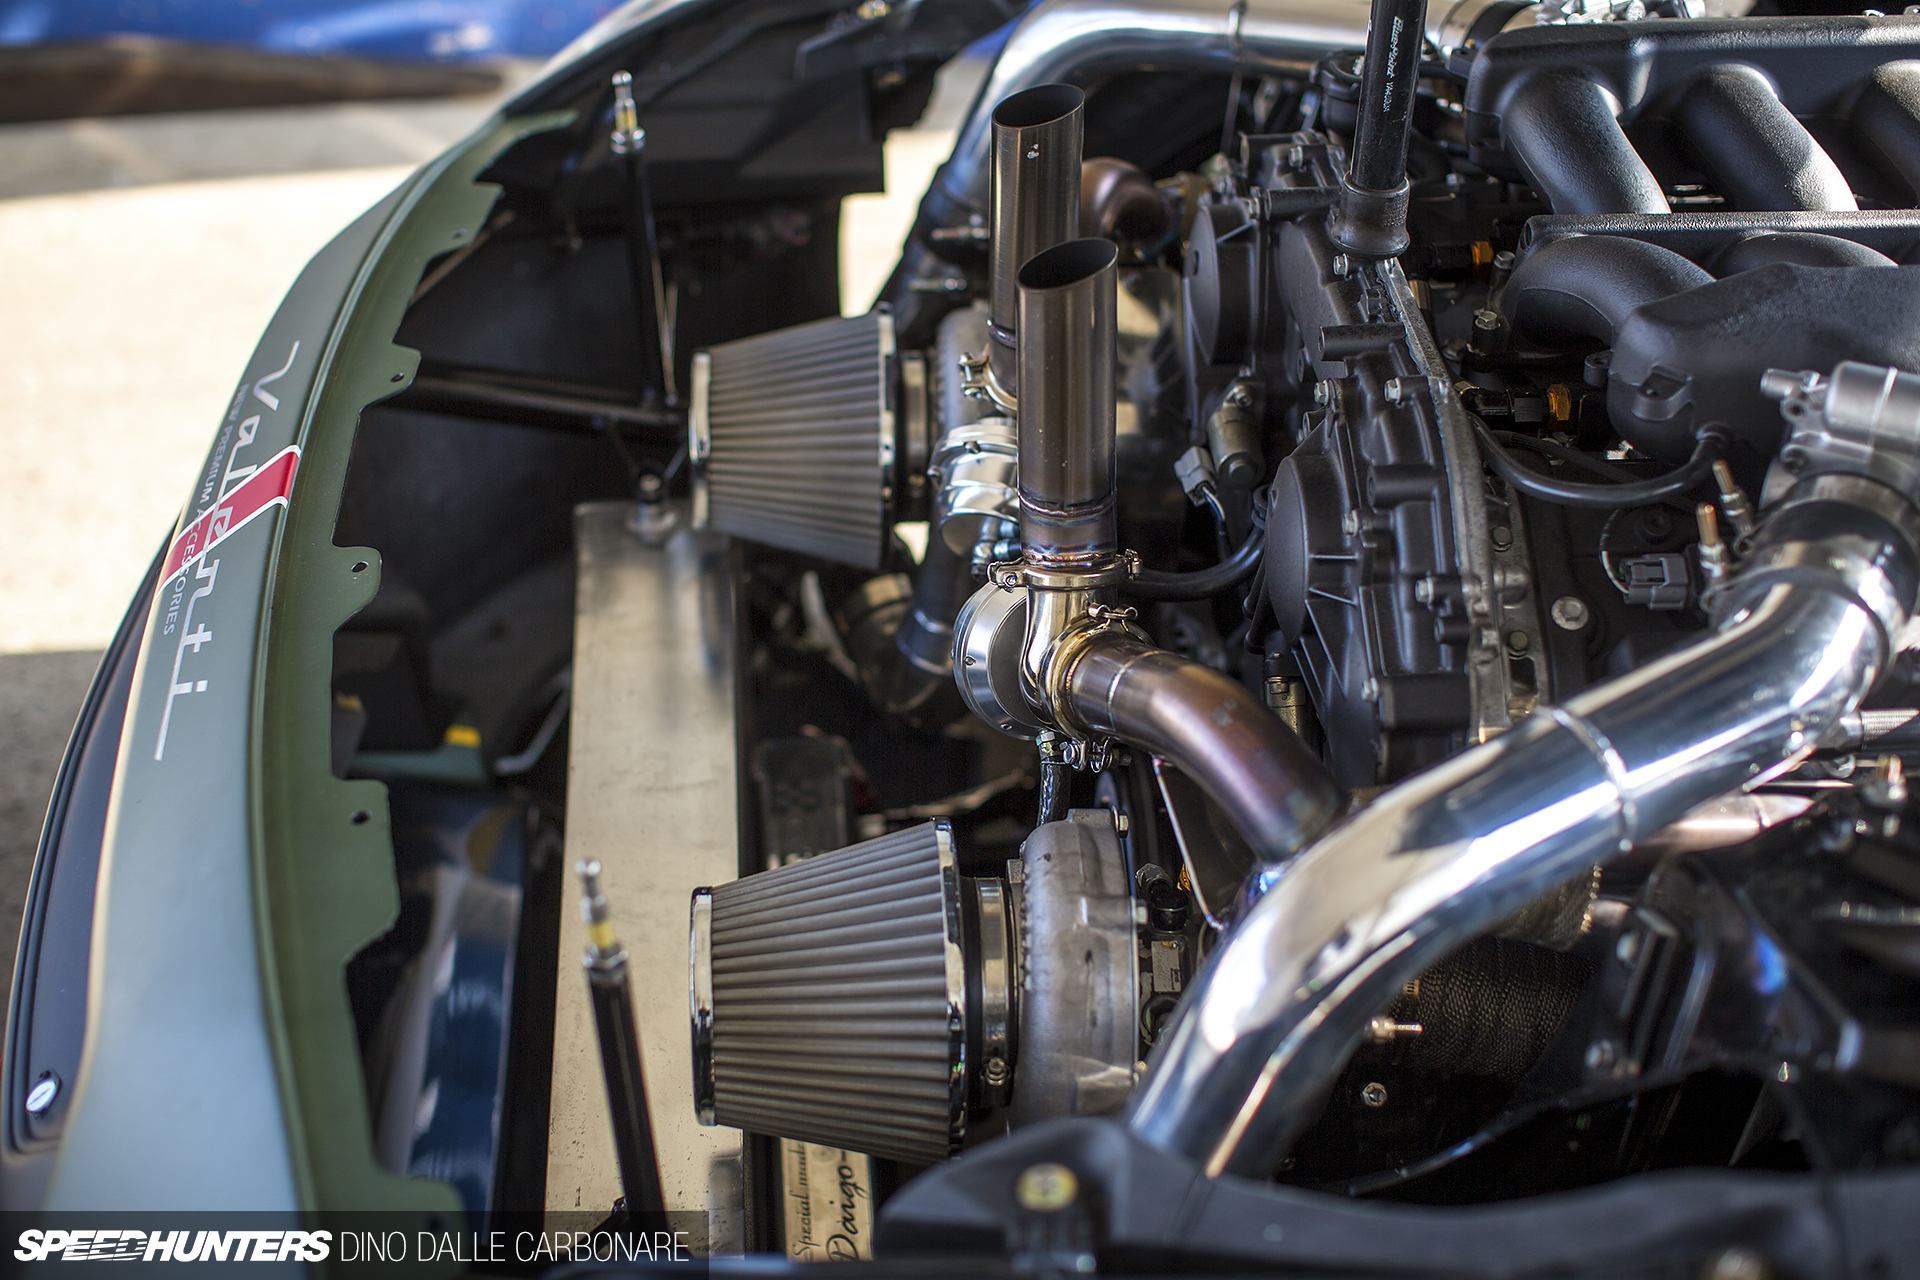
{"x":1570,"y":613}
{"x":1518,"y":642}
{"x":1374,"y":1094}
{"x":1423,"y":591}
{"x":1486,"y":321}
{"x":1350,"y":523}
{"x":1046,"y":1188}
{"x":1601,"y":1054}
{"x":1342,"y":266}
{"x":1396,"y":391}
{"x":41,"y":1096}
{"x":1322,"y":393}
{"x":1500,"y":536}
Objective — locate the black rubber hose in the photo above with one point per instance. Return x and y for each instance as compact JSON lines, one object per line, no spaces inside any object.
{"x":1153,"y":584}
{"x":1573,"y":457}
{"x":1568,"y":493}
{"x":1053,"y":791}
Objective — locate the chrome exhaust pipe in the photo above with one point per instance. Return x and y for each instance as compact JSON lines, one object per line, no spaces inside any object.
{"x":1041,"y":649}
{"x":1036,"y":204}
{"x":1067,"y":487}
{"x":1802,"y":633}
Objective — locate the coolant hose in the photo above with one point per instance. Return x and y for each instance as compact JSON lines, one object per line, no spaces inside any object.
{"x":1155,"y":584}
{"x":1570,"y":493}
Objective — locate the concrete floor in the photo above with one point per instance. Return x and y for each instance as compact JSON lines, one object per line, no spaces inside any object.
{"x":140,"y":258}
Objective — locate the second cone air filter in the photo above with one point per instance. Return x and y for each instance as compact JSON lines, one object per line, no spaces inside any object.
{"x":830,"y":999}
{"x":793,"y":437}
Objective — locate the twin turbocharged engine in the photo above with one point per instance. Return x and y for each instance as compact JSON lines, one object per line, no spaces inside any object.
{"x":1444,"y":685}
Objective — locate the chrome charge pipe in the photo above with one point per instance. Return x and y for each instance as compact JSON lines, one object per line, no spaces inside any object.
{"x":1802,"y":631}
{"x":1082,"y":42}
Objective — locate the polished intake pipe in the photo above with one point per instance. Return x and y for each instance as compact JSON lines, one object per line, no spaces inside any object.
{"x":1801,"y":635}
{"x":1278,"y":793}
{"x":1036,"y":202}
{"x":1084,"y":41}
{"x":1758,"y":154}
{"x":1066,"y":318}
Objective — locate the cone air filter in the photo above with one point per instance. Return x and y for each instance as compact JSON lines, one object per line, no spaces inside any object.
{"x":793,"y":437}
{"x":830,"y":999}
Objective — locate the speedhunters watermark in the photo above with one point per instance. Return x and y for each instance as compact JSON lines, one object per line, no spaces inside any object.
{"x":520,"y":1244}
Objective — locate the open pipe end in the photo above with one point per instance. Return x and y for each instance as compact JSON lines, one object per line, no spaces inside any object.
{"x":1069,"y":264}
{"x":1068,"y":296}
{"x":1043,"y":105}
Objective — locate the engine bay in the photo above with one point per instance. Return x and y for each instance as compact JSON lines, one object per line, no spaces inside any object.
{"x":1336,"y":641}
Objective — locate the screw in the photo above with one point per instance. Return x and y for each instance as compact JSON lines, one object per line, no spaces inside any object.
{"x":1384,"y":1030}
{"x":1342,"y":266}
{"x":1322,"y":393}
{"x":1122,"y":824}
{"x":1570,"y":613}
{"x":1601,"y":1054}
{"x":1424,"y":590}
{"x":44,"y":1091}
{"x":1370,"y":690}
{"x":996,"y":1071}
{"x":1350,"y":523}
{"x":1374,"y":1094}
{"x":1486,"y":321}
{"x":1503,"y":261}
{"x":1396,"y":391}
{"x":1046,"y":1188}
{"x":1500,"y":536}
{"x":1518,"y":642}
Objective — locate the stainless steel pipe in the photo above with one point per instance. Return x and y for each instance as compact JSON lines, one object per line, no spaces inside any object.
{"x":1066,"y":323}
{"x":1804,"y":631}
{"x":1243,"y":756}
{"x":1083,"y":41}
{"x":1036,"y":202}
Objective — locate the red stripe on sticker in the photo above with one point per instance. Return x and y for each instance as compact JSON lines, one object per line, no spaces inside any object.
{"x":270,"y":486}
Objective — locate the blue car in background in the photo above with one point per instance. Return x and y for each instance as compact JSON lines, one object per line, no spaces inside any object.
{"x":406,"y":30}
